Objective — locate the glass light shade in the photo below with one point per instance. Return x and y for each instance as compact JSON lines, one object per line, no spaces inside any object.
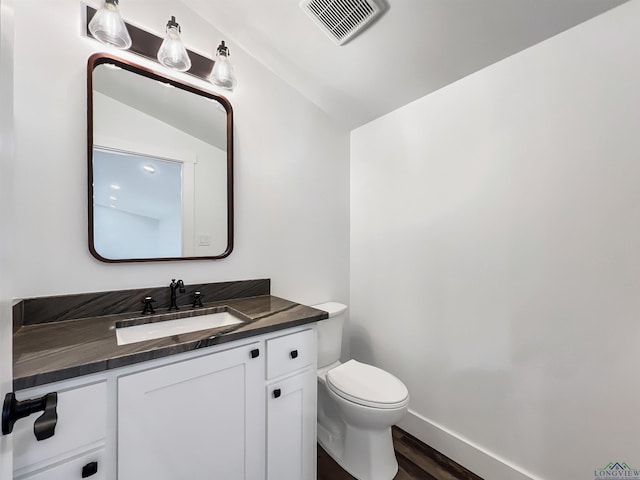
{"x":108,"y":27}
{"x":222,"y":73}
{"x":172,"y":53}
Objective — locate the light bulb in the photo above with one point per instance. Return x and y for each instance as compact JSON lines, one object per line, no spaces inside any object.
{"x":172,"y":53}
{"x":222,"y":73}
{"x":108,"y":27}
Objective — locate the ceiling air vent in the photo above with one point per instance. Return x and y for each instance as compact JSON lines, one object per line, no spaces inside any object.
{"x":342,"y":19}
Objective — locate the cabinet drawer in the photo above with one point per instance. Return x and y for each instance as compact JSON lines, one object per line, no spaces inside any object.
{"x":290,"y":352}
{"x":86,"y":464}
{"x":82,"y":420}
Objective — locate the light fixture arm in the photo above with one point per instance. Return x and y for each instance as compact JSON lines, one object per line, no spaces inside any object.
{"x":223,"y":49}
{"x":172,"y":23}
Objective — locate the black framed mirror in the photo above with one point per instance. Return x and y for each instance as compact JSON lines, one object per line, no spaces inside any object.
{"x":160,"y":166}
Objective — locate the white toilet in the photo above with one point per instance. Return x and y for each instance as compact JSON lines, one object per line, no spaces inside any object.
{"x":357,"y":405}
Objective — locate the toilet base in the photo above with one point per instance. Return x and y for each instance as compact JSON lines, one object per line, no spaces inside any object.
{"x":331,"y":443}
{"x":364,"y":454}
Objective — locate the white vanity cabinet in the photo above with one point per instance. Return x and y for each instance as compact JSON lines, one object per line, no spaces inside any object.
{"x":291,"y":406}
{"x":196,"y":419}
{"x":243,"y":410}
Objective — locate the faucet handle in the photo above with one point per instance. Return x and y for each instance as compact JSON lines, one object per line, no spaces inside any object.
{"x":197,"y":299}
{"x":148,"y":308}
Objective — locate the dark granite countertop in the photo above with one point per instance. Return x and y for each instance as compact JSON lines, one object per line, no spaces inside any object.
{"x":53,"y":351}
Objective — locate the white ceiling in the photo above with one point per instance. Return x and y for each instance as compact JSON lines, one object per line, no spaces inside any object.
{"x":196,"y":115}
{"x":415,"y":48}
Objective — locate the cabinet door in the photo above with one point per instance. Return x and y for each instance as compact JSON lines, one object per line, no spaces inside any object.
{"x":291,"y":428}
{"x":198,"y":419}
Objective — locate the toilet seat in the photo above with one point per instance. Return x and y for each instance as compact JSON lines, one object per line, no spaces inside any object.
{"x":367,"y":385}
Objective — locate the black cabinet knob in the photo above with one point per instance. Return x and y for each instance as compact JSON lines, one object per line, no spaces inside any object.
{"x":277,"y":393}
{"x":255,"y":352}
{"x":89,"y":469}
{"x":294,"y":354}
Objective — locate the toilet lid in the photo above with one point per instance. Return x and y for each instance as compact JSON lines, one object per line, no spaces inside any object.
{"x":366,"y":385}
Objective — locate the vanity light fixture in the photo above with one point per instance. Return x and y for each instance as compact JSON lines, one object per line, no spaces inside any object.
{"x":222,"y":72}
{"x":108,"y":27}
{"x":145,"y":44}
{"x":115,"y":186}
{"x":148,"y":169}
{"x":172,"y":53}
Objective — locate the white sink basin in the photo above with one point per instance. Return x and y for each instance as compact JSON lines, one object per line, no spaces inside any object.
{"x":167,"y":328}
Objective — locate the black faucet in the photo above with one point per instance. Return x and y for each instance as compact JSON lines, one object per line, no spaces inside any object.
{"x":172,"y":286}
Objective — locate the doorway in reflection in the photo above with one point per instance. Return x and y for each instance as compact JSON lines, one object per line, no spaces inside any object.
{"x":138,"y":205}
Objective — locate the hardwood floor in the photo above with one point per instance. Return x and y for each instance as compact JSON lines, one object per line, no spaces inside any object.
{"x":416,"y":461}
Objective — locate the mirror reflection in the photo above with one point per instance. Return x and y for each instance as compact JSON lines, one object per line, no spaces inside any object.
{"x":160,"y":167}
{"x":137,"y":205}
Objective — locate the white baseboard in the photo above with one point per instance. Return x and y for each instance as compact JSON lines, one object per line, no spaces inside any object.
{"x":462,"y":451}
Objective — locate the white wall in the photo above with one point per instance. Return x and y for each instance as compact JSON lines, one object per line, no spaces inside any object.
{"x":6,"y":219}
{"x":495,"y":260}
{"x":136,"y":235}
{"x":291,"y":198}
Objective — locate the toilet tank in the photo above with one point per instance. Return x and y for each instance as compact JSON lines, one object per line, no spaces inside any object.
{"x":330,"y":333}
